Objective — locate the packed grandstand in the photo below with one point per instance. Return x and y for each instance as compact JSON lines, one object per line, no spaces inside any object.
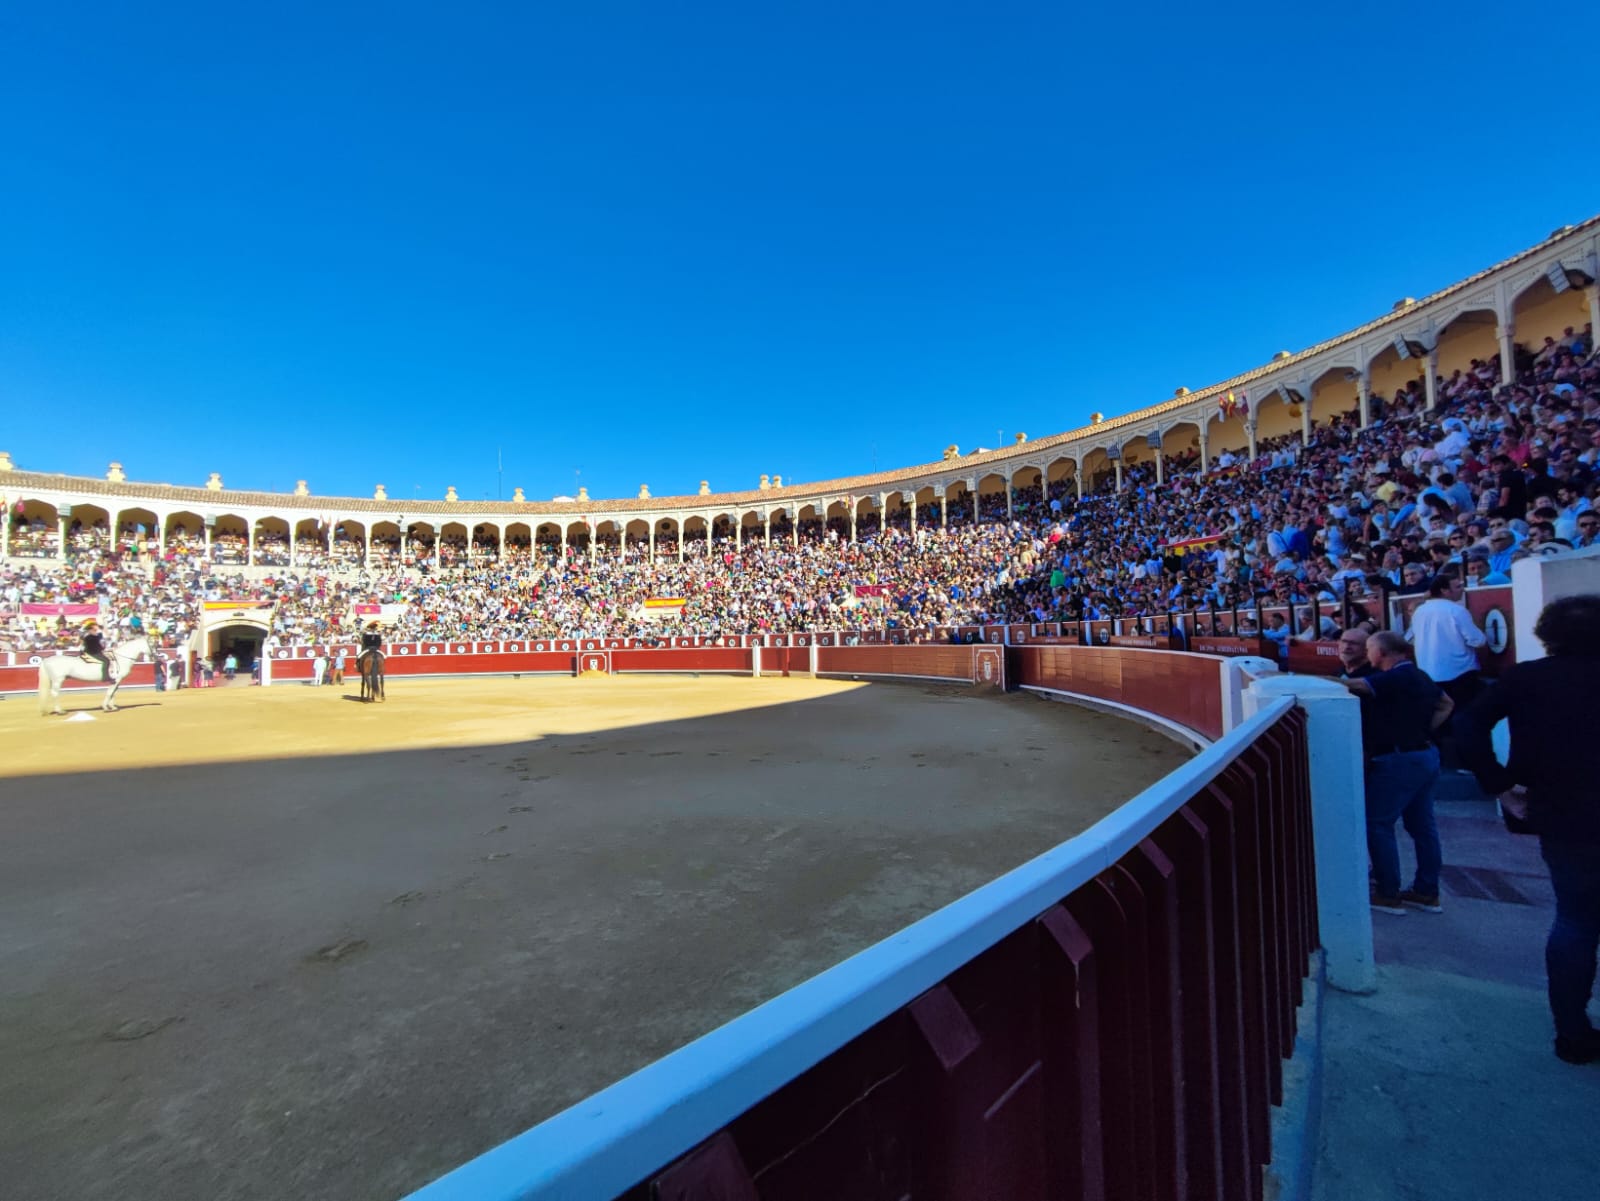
{"x":1485,"y":463}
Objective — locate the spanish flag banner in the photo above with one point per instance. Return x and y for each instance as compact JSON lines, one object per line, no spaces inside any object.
{"x":657,"y":607}
{"x":1191,"y":546}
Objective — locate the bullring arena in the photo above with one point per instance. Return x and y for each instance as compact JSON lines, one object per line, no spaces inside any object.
{"x":271,"y":942}
{"x":860,"y":919}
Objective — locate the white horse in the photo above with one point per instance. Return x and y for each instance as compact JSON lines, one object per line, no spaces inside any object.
{"x":60,"y":668}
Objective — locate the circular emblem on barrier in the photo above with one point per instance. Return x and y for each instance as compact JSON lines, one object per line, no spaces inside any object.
{"x":513,"y":646}
{"x":486,"y":648}
{"x":1496,"y":629}
{"x":988,"y":668}
{"x":280,"y":654}
{"x":1022,"y":635}
{"x":564,"y":646}
{"x":1103,"y":637}
{"x":404,"y":650}
{"x":538,"y":646}
{"x":34,"y":660}
{"x":591,"y":646}
{"x":433,"y":648}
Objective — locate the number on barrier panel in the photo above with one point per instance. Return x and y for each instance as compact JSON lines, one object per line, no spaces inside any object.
{"x":1496,"y":629}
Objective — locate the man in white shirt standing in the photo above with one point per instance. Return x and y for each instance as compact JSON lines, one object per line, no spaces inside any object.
{"x":1446,"y":639}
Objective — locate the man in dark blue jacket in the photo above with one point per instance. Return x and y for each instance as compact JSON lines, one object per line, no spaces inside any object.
{"x":1553,"y":781}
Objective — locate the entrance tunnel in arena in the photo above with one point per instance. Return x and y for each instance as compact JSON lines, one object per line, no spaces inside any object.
{"x":269,"y":942}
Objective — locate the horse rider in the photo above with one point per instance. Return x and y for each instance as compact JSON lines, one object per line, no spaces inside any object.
{"x":94,"y":649}
{"x":372,"y":637}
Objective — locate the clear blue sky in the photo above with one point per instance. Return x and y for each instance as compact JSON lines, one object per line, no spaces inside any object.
{"x":670,"y":242}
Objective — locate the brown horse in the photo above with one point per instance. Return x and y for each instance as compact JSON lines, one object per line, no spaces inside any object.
{"x":371,"y":663}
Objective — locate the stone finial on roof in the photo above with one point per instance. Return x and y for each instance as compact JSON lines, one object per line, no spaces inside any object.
{"x":766,"y":482}
{"x":1404,"y":303}
{"x":300,"y":488}
{"x":1181,"y":392}
{"x":380,"y":493}
{"x":115,"y":474}
{"x":644,"y":491}
{"x":5,"y":461}
{"x":1021,"y":438}
{"x":777,"y":481}
{"x":517,"y":498}
{"x":1281,"y":355}
{"x":214,"y":484}
{"x":583,"y":493}
{"x":952,"y":452}
{"x":705,"y":487}
{"x":1096,"y":418}
{"x":450,"y":494}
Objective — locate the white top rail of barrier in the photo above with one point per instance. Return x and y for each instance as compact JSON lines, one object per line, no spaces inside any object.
{"x":610,"y":1142}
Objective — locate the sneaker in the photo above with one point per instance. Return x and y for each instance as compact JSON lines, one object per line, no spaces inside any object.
{"x":1585,"y":1049}
{"x":1385,"y":904}
{"x":1428,"y":902}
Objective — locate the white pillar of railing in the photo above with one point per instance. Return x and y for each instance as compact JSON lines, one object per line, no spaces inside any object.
{"x":1338,"y":818}
{"x":1238,"y":673}
{"x":1537,"y":581}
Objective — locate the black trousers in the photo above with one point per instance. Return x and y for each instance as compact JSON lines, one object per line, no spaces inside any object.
{"x":1463,"y":690}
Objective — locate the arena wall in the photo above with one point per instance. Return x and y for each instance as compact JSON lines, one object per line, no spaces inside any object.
{"x":1186,"y":689}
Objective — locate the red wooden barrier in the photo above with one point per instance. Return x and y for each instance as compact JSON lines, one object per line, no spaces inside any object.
{"x":1126,"y":1043}
{"x":1178,"y":686}
{"x":722,"y":659}
{"x":785,"y":660}
{"x":26,"y":679}
{"x":928,"y":661}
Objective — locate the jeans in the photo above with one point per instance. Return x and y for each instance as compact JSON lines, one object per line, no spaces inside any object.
{"x":1400,"y":788}
{"x":1569,"y":955}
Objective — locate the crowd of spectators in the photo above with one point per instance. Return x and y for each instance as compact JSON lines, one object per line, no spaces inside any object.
{"x":1491,"y":474}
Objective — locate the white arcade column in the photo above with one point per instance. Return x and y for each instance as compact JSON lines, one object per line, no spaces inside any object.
{"x":1338,"y":820}
{"x":1508,"y":353}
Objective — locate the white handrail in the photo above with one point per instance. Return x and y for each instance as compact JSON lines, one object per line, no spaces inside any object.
{"x":617,"y":1137}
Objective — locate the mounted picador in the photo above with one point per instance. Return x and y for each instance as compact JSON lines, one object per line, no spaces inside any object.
{"x":94,"y":649}
{"x":370,"y":661}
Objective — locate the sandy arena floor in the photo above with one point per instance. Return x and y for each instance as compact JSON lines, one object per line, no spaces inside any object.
{"x":273,"y":943}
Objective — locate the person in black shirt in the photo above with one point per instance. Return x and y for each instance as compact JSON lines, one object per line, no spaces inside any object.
{"x":372,"y":637}
{"x":1551,"y":781}
{"x":1353,"y":653}
{"x":1513,"y":489}
{"x":94,"y":649}
{"x":1400,"y":709}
